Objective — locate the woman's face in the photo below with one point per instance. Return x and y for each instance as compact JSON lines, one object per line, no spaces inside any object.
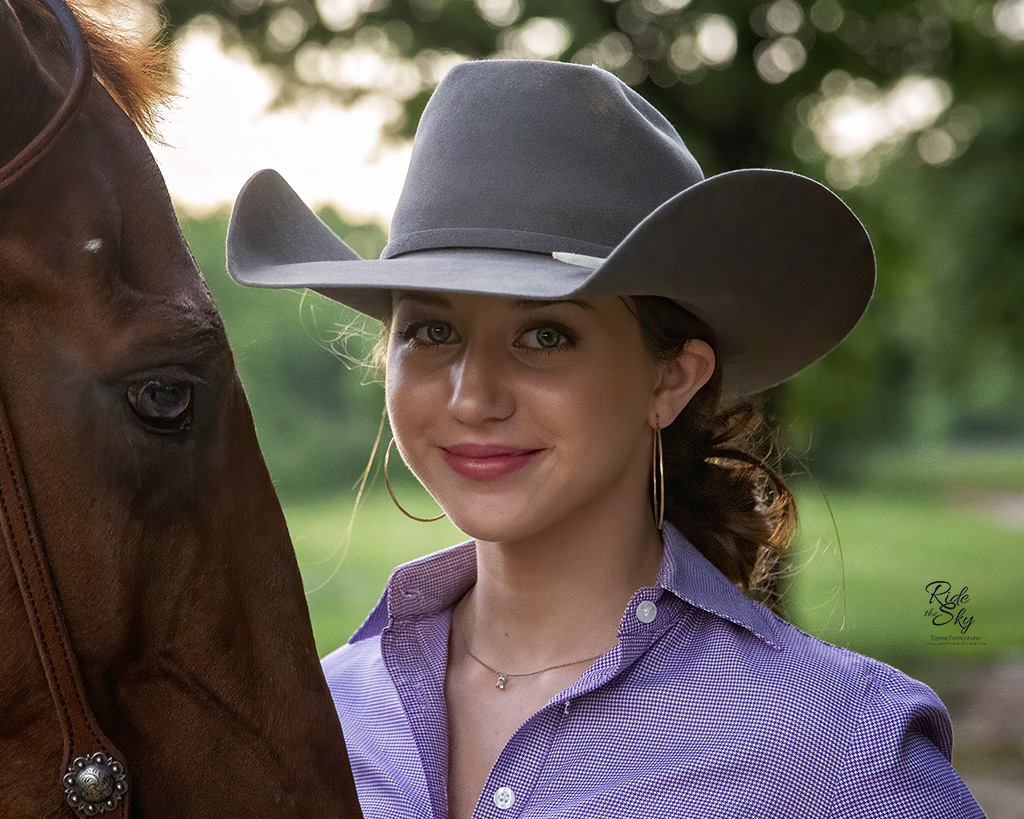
{"x":519,"y":415}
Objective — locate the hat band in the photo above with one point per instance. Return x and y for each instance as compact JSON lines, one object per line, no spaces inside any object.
{"x":490,"y":239}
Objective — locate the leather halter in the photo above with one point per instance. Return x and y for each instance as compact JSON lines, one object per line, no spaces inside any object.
{"x":80,"y":82}
{"x":85,"y":745}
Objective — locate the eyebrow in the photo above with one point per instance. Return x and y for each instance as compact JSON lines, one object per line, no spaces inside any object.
{"x":537,"y":304}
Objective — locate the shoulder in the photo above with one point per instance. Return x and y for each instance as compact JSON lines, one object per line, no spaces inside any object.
{"x":740,"y":644}
{"x":795,"y":720}
{"x":776,"y":666}
{"x":849,"y":691}
{"x":356,"y":674}
{"x":861,"y":680}
{"x":886,"y":737}
{"x":732,"y":656}
{"x":896,"y":758}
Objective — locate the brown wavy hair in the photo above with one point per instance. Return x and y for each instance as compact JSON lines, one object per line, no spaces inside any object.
{"x":722,"y":489}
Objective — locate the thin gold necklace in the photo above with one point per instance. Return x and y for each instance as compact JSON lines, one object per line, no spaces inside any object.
{"x":503,"y":676}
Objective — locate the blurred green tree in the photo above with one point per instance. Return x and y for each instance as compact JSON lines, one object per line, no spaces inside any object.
{"x":315,"y":419}
{"x":912,"y":110}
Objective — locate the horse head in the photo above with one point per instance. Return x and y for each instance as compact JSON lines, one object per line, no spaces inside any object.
{"x":165,"y":542}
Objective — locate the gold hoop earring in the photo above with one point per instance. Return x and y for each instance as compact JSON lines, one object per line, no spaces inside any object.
{"x":658,"y":477}
{"x":391,"y":492}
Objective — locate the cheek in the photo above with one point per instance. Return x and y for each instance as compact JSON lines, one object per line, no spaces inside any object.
{"x":414,"y":399}
{"x":397,"y":394}
{"x":601,"y":419}
{"x":619,"y":392}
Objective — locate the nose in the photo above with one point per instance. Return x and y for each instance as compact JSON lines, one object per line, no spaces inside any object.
{"x":481,"y":388}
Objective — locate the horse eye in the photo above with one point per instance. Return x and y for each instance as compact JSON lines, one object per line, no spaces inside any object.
{"x":163,"y":406}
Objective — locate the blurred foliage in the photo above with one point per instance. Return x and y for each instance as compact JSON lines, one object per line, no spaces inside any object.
{"x":315,"y":419}
{"x":912,"y":110}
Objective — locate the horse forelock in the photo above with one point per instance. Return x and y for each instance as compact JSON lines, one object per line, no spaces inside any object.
{"x":135,"y":72}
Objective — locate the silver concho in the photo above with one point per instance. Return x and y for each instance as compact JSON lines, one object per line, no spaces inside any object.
{"x":94,"y":784}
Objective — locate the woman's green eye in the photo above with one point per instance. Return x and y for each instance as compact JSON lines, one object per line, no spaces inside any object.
{"x":548,"y":338}
{"x":438,"y":333}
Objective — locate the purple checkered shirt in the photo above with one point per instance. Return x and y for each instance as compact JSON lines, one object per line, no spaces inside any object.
{"x":714,"y":708}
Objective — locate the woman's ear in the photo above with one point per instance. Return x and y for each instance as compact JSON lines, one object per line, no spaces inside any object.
{"x":679,"y":379}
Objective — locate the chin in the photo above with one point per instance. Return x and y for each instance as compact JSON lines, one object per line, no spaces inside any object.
{"x":492,"y":525}
{"x":490,"y":531}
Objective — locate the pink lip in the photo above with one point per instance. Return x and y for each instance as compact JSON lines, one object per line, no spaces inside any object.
{"x":487,"y":462}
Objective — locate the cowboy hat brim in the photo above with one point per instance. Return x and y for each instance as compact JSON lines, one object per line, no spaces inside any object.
{"x":775,"y":263}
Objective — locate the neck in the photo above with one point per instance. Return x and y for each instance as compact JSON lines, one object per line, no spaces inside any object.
{"x":558,"y":595}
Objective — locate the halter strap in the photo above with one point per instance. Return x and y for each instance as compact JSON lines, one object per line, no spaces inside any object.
{"x":92,"y":775}
{"x":80,"y":83}
{"x":82,"y":735}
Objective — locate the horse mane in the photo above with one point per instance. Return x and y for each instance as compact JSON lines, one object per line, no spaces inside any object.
{"x":135,"y":72}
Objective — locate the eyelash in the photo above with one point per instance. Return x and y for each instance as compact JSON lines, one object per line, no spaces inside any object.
{"x":568,"y":341}
{"x":408,"y":333}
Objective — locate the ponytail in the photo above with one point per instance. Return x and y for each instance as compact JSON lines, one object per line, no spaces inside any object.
{"x":720,"y":489}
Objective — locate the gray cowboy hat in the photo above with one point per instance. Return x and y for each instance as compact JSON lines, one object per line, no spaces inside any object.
{"x":549,"y":180}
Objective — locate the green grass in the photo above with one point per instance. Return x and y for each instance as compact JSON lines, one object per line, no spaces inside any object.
{"x":869,"y":596}
{"x":947,"y":469}
{"x":865,"y":589}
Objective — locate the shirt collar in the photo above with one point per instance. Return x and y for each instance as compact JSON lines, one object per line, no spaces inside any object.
{"x":434,"y":583}
{"x":690,"y":576}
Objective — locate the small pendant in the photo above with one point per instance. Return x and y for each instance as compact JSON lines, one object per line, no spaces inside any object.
{"x":501,"y":681}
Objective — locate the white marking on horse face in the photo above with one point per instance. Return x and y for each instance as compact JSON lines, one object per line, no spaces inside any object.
{"x":92,"y":246}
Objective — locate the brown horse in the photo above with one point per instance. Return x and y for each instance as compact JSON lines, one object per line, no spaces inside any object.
{"x":165,"y":542}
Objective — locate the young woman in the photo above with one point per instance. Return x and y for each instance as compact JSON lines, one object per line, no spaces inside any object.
{"x":568,"y":303}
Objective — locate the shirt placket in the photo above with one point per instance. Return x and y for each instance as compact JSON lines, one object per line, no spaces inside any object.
{"x":515,"y":773}
{"x":418,"y":675}
{"x":520,"y":765}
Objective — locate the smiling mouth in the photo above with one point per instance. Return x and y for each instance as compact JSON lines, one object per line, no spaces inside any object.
{"x":486,"y":462}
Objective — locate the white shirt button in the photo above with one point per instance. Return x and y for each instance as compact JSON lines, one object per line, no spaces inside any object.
{"x":646,"y":612}
{"x":504,"y":798}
